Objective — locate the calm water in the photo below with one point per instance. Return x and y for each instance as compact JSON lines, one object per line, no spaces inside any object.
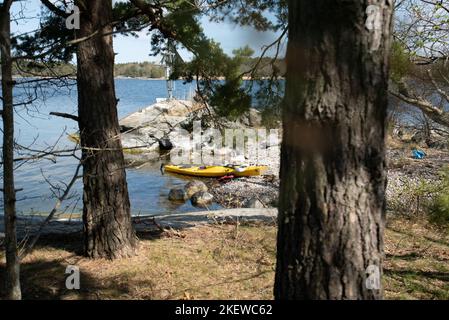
{"x":35,"y":128}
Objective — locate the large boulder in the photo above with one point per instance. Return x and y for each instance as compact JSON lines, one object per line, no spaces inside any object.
{"x":195,"y":186}
{"x":177,"y":194}
{"x":176,"y":108}
{"x":202,"y":199}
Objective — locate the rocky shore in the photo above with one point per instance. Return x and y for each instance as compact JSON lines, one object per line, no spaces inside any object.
{"x":28,"y":226}
{"x":149,"y":134}
{"x":154,"y":127}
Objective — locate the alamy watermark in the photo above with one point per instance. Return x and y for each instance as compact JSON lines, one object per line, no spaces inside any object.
{"x":72,"y":282}
{"x":372,"y":281}
{"x":229,"y":146}
{"x":72,"y":22}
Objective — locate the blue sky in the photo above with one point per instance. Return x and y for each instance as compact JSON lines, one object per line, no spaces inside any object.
{"x":130,"y":49}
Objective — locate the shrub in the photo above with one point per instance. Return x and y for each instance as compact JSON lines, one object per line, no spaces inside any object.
{"x":425,"y":197}
{"x":411,"y":197}
{"x":439,"y":210}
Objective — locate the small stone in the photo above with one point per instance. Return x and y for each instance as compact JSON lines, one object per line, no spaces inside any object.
{"x":254,"y":203}
{"x":195,"y":186}
{"x":177,"y":194}
{"x":202,"y":199}
{"x":125,"y":129}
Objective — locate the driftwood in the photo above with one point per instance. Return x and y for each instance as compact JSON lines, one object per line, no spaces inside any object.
{"x":167,"y":232}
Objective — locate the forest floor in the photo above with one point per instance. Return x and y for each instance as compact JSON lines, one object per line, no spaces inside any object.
{"x":223,"y":261}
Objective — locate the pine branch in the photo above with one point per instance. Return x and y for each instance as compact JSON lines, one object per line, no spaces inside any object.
{"x":53,"y":8}
{"x":65,"y":115}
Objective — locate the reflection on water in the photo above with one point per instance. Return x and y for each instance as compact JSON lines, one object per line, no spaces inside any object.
{"x":148,"y":188}
{"x":153,"y":189}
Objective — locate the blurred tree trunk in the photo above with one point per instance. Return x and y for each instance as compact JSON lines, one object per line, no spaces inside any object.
{"x":12,"y":274}
{"x":107,"y":220}
{"x":332,"y":198}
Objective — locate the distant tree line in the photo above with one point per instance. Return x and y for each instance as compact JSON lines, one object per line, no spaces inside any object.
{"x":137,"y":70}
{"x":29,"y":68}
{"x":133,"y":69}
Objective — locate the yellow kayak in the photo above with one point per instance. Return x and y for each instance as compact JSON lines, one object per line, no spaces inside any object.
{"x":217,"y":171}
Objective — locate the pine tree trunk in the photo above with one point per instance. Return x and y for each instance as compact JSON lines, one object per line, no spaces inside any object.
{"x":332,"y":205}
{"x":12,"y":275}
{"x":107,"y":220}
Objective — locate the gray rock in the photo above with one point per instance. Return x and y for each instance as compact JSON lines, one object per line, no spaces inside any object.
{"x":195,"y":186}
{"x":255,"y":118}
{"x":165,"y":144}
{"x":202,"y":199}
{"x":441,"y":144}
{"x":177,"y":194}
{"x":254,"y":203}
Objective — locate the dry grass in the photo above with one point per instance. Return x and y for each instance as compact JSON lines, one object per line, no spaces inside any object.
{"x":210,"y":262}
{"x":222,"y":262}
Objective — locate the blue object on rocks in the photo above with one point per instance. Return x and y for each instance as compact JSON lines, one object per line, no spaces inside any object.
{"x":418,"y":154}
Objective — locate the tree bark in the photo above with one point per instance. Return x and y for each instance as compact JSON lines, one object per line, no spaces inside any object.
{"x":12,"y":274}
{"x":332,"y":203}
{"x":106,"y":214}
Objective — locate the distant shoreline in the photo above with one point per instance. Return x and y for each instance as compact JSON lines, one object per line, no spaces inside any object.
{"x":139,"y":78}
{"x":74,"y":78}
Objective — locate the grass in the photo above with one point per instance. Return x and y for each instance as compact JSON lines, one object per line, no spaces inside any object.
{"x":224,"y":262}
{"x":417,"y":260}
{"x":209,"y":262}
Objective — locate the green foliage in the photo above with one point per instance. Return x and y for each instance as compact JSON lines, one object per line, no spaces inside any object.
{"x":399,"y":62}
{"x":423,"y":197}
{"x":243,"y":56}
{"x":230,"y":99}
{"x":439,"y":210}
{"x":49,"y":43}
{"x":219,"y":78}
{"x":228,"y":96}
{"x":271,"y":117}
{"x":269,"y":98}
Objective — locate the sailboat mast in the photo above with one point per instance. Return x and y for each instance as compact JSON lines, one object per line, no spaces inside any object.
{"x":169,"y":66}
